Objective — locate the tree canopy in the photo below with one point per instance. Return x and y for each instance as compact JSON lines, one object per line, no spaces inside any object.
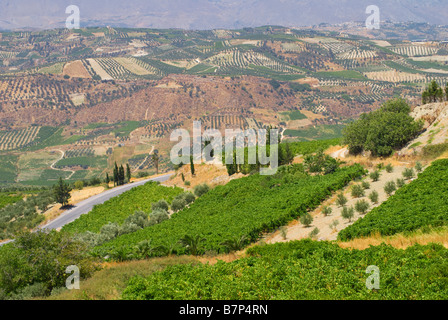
{"x":382,"y":131}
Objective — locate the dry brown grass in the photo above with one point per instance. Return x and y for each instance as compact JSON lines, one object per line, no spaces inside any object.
{"x":109,"y":283}
{"x":400,"y":241}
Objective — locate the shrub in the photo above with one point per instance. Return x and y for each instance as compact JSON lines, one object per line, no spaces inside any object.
{"x":178,"y":204}
{"x":306,"y":220}
{"x":390,"y":187}
{"x":408,"y":173}
{"x":348,"y":213}
{"x":284,"y":232}
{"x":389,"y":168}
{"x":313,"y":234}
{"x":418,"y":167}
{"x":374,"y":197}
{"x":400,"y":183}
{"x":357,"y":191}
{"x":201,"y":189}
{"x":188,"y":197}
{"x":158,"y":216}
{"x":187,"y":183}
{"x":160,"y":205}
{"x":334,"y":225}
{"x":375,"y":176}
{"x":79,"y":185}
{"x":327,"y":210}
{"x":365,"y":185}
{"x":341,"y":200}
{"x":362,"y":206}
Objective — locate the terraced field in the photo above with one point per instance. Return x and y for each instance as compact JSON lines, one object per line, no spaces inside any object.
{"x":10,"y":140}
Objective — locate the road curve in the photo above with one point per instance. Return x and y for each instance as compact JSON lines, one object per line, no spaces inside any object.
{"x":87,"y":205}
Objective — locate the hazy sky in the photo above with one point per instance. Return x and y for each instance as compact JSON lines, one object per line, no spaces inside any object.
{"x":208,"y":14}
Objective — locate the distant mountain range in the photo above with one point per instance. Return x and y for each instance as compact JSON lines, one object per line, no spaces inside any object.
{"x":213,"y":14}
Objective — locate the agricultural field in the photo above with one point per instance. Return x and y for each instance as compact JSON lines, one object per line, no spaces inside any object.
{"x":118,"y":209}
{"x":420,"y":204}
{"x":243,"y":208}
{"x":414,"y":50}
{"x":322,"y":132}
{"x":302,"y":270}
{"x":10,"y":140}
{"x":8,"y":169}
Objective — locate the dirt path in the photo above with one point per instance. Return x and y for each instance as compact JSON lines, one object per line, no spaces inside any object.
{"x":296,"y":231}
{"x":66,"y":170}
{"x":149,"y":154}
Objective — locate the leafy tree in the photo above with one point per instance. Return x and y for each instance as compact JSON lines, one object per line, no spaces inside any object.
{"x":313,"y":234}
{"x":400,"y":183}
{"x":40,"y":257}
{"x":61,"y":192}
{"x":306,"y":220}
{"x":390,"y":187}
{"x":321,"y":163}
{"x":201,"y":189}
{"x":160,"y":205}
{"x":341,"y":200}
{"x":374,"y":196}
{"x":419,"y":167}
{"x":178,"y":204}
{"x":327,"y":210}
{"x":382,"y":131}
{"x":357,"y":191}
{"x":375,"y":176}
{"x":155,"y":160}
{"x":408,"y":173}
{"x":362,"y":206}
{"x":348,"y":213}
{"x":389,"y":168}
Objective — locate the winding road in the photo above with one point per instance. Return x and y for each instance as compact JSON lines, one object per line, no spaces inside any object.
{"x":87,"y":205}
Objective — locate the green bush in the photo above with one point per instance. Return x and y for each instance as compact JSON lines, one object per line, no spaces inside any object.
{"x":382,"y":131}
{"x":306,"y":220}
{"x":375,"y":176}
{"x":390,"y":187}
{"x":362,"y":206}
{"x":348,"y":213}
{"x":178,"y":204}
{"x":357,"y":191}
{"x":201,"y":189}
{"x":374,"y":197}
{"x":408,"y":173}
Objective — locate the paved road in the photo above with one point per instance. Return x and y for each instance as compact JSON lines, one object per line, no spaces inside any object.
{"x":87,"y":205}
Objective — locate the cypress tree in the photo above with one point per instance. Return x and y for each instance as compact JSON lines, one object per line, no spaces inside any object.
{"x":128,"y":172}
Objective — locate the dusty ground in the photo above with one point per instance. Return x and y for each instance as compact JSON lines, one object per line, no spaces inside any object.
{"x":77,"y":196}
{"x":76,"y":69}
{"x":296,"y":231}
{"x":211,"y":174}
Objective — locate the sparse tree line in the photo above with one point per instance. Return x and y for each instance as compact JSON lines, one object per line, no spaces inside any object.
{"x":435,"y":93}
